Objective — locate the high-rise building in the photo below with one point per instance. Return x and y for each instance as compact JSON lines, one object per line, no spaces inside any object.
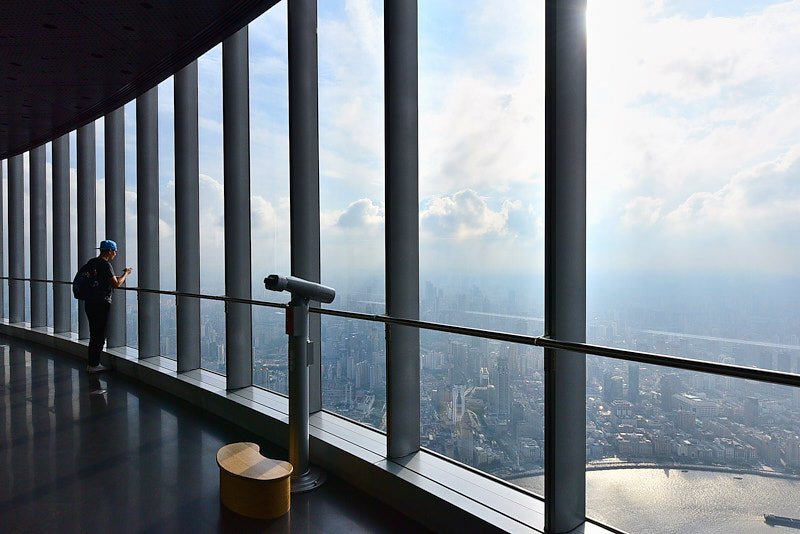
{"x":750,"y":411}
{"x":613,"y":387}
{"x":362,"y":373}
{"x":503,"y":388}
{"x":670,"y":384}
{"x":633,"y":382}
{"x":484,"y":377}
{"x":459,"y":404}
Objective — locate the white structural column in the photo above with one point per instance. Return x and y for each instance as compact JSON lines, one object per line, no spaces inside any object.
{"x":2,"y":255}
{"x":147,"y":222}
{"x":62,"y":261}
{"x":565,"y":263}
{"x":115,"y":216}
{"x":304,"y":168}
{"x":236,"y":134}
{"x":87,"y":208}
{"x":187,"y":216}
{"x":38,"y":237}
{"x":402,"y":227}
{"x":16,"y":246}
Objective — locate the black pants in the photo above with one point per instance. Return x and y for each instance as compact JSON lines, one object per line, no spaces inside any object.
{"x":97,"y":312}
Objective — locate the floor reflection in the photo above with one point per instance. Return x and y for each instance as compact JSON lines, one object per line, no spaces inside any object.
{"x":98,"y":453}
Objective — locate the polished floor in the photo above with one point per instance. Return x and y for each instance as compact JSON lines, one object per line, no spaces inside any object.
{"x":95,"y":454}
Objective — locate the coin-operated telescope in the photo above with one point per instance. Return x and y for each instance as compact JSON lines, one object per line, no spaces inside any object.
{"x":300,"y":288}
{"x":301,"y":355}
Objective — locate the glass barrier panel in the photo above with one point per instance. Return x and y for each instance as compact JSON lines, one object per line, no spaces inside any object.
{"x":212,"y":335}
{"x":169,"y":327}
{"x":270,"y":350}
{"x":354,"y":370}
{"x":680,"y":451}
{"x":482,"y":404}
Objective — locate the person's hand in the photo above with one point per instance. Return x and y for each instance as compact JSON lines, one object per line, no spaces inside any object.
{"x":128,"y":270}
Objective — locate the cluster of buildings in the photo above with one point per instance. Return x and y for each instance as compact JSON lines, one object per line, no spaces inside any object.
{"x":652,"y":414}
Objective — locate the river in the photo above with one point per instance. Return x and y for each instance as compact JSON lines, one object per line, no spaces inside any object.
{"x":656,"y":501}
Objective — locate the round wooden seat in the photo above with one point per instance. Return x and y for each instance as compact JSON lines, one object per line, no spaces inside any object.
{"x":252,"y":485}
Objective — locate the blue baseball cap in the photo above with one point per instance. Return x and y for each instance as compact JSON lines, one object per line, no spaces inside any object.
{"x":107,"y":245}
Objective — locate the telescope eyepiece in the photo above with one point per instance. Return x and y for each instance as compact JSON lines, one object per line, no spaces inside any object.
{"x":300,"y":287}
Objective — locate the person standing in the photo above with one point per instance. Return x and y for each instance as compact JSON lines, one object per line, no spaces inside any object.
{"x":98,"y":307}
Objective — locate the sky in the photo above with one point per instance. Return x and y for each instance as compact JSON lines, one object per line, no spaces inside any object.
{"x":694,"y":139}
{"x":693,"y":147}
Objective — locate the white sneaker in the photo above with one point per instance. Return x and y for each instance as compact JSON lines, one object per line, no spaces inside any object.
{"x":97,"y":368}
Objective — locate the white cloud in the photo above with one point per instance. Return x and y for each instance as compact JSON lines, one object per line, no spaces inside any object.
{"x":765,"y":196}
{"x":351,"y":107}
{"x":747,"y":224}
{"x":678,"y":126}
{"x":642,"y":211}
{"x":466,"y":215}
{"x":362,"y":213}
{"x":694,"y":101}
{"x":352,"y":240}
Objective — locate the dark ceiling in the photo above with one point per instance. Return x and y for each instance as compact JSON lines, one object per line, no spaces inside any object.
{"x":64,"y":63}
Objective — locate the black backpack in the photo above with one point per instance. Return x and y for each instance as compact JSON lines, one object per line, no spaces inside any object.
{"x":85,"y":285}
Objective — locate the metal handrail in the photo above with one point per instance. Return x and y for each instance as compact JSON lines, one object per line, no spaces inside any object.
{"x":664,"y":360}
{"x":164,"y":292}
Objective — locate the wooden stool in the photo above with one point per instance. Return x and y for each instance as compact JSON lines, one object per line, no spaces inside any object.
{"x":252,"y":485}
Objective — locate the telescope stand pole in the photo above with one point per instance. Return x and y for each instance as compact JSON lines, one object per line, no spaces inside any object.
{"x":304,"y":477}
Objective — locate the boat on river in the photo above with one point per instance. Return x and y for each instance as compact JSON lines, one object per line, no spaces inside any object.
{"x":782,"y":521}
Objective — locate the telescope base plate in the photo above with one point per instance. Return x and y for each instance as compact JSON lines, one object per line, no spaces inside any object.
{"x":308,"y":481}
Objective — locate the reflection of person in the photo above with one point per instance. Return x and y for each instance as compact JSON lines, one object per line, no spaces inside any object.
{"x":98,"y":308}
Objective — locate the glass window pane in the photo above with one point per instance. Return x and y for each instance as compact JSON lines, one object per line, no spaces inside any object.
{"x":352,"y":191}
{"x":131,"y":240}
{"x":692,"y":176}
{"x":351,"y":111}
{"x":481,"y":83}
{"x":26,"y":233}
{"x":73,"y":217}
{"x":100,"y":179}
{"x":269,"y":189}
{"x":49,"y":228}
{"x":212,"y":219}
{"x":166,"y":183}
{"x":166,"y":213}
